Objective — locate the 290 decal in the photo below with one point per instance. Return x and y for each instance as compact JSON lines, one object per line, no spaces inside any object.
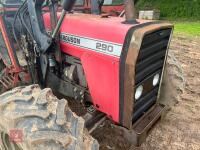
{"x":104,"y":47}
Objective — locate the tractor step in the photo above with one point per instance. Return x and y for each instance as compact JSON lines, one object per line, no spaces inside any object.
{"x":93,"y":119}
{"x":145,"y":124}
{"x":7,"y":81}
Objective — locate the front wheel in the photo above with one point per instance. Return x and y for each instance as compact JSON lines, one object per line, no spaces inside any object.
{"x":34,"y":119}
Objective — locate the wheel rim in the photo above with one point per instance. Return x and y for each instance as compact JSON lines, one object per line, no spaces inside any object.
{"x":7,"y":144}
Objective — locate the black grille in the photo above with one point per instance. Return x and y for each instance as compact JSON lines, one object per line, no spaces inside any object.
{"x":150,"y":62}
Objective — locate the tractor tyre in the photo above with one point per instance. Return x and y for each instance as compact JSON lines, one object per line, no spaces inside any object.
{"x":173,"y":82}
{"x":34,"y":119}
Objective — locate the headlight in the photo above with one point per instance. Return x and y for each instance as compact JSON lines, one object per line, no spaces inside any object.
{"x":156,"y":79}
{"x":138,"y":92}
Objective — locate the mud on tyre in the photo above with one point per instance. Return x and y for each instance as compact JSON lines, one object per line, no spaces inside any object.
{"x":44,"y":121}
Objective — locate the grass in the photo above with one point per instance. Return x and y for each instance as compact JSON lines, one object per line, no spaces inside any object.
{"x":187,"y":28}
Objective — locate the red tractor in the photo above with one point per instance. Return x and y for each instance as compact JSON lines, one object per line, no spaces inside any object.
{"x":102,"y":6}
{"x":107,"y":7}
{"x":111,"y":66}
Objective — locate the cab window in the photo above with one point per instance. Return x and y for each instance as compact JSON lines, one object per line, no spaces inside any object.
{"x":79,"y":3}
{"x":113,"y":2}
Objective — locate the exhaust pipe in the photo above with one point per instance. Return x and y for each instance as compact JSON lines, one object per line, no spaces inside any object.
{"x":130,"y":12}
{"x":67,"y":7}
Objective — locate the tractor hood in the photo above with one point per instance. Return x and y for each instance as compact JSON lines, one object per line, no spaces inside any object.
{"x":83,"y":32}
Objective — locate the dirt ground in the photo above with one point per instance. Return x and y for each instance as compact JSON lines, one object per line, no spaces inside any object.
{"x":180,"y":128}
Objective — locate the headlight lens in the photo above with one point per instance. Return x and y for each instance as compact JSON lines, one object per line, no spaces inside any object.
{"x":138,"y":92}
{"x":156,"y":79}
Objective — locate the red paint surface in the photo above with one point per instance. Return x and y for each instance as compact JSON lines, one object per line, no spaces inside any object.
{"x":111,"y":9}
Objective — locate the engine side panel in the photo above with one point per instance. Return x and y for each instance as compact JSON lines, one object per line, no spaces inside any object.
{"x":102,"y":76}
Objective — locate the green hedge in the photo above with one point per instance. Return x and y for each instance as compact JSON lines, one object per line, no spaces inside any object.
{"x":173,"y":9}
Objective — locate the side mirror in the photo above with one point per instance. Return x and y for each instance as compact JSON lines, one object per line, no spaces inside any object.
{"x":68,"y":4}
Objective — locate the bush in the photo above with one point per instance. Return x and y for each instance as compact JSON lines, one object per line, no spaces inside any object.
{"x":173,"y":9}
